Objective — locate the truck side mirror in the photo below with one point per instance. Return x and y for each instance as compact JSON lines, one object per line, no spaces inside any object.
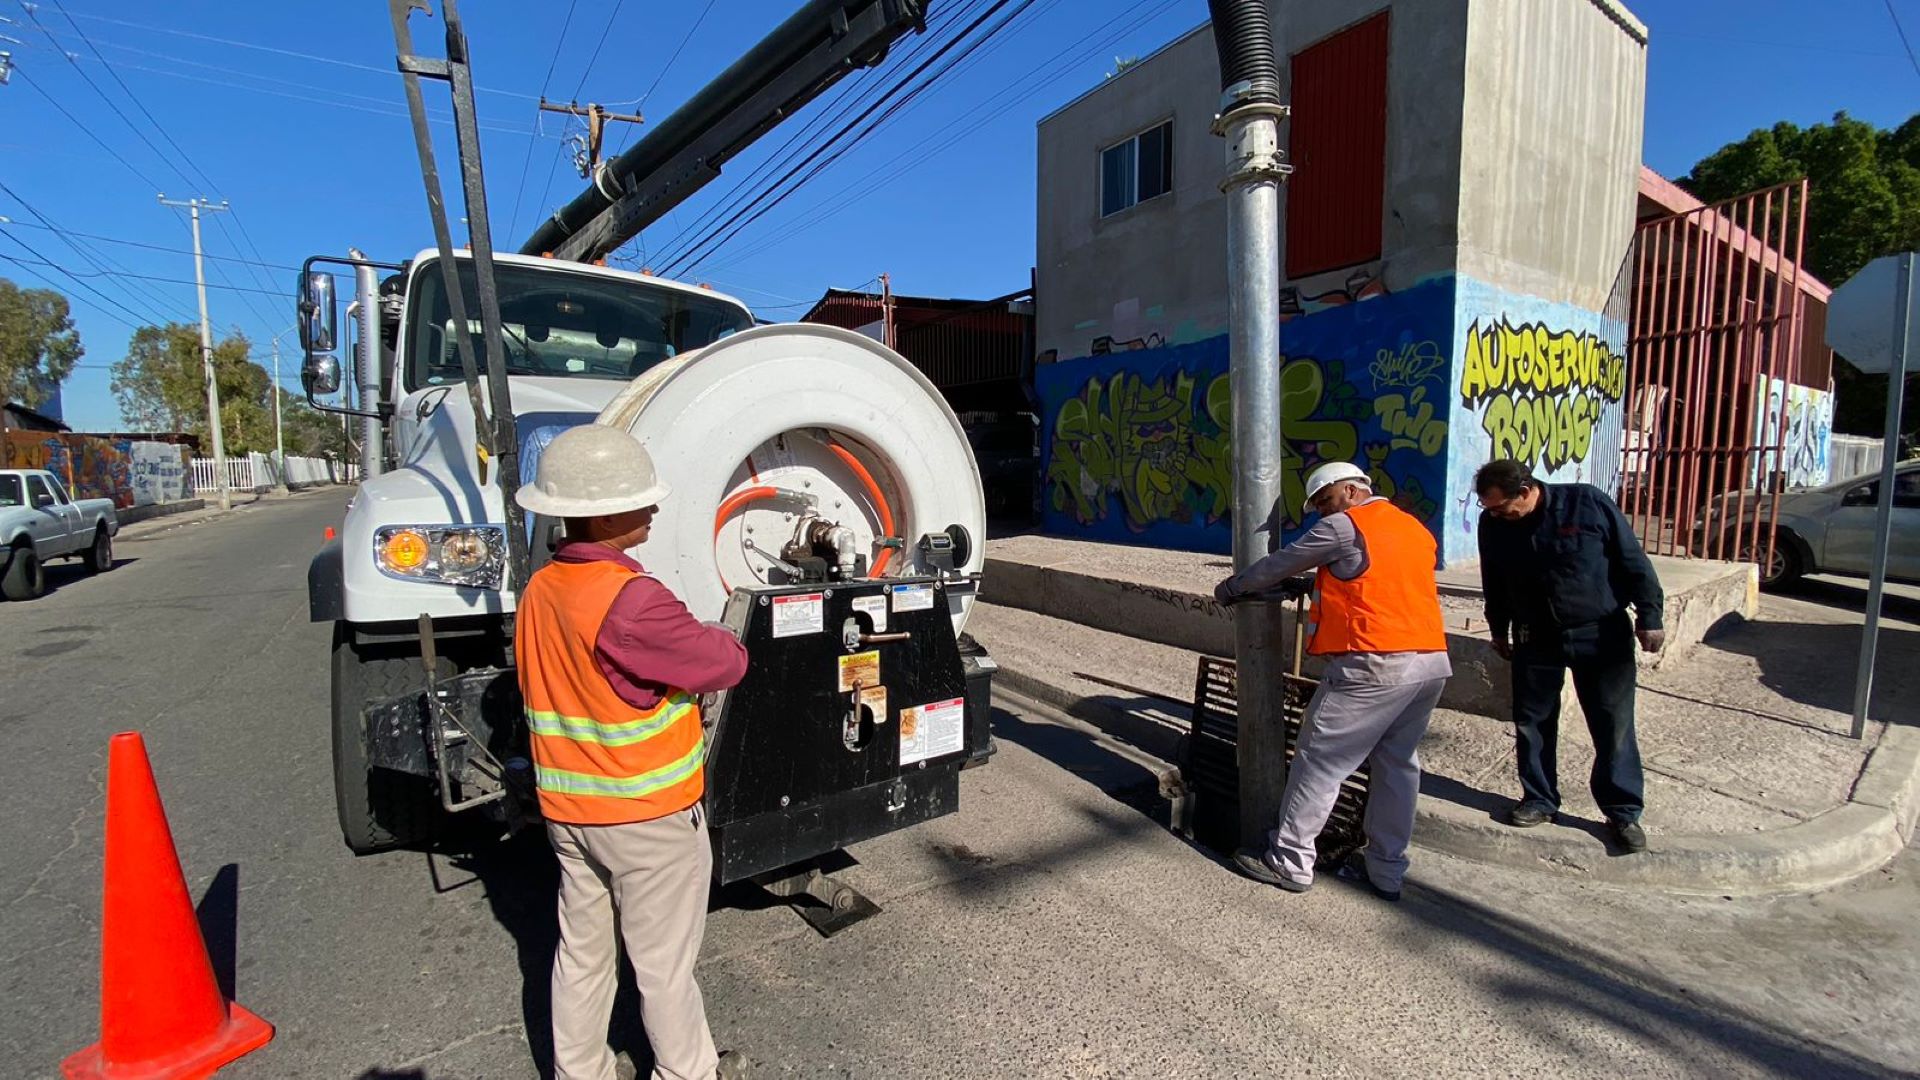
{"x":320,"y":374}
{"x":319,"y":315}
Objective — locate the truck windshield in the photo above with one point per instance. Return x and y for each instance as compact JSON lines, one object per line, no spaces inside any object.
{"x":562,"y":324}
{"x":10,"y":494}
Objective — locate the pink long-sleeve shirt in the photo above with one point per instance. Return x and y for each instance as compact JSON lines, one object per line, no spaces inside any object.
{"x":650,"y":643}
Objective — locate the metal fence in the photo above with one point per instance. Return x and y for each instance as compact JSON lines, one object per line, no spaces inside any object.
{"x":1717,"y":320}
{"x":1853,"y":455}
{"x":259,"y":472}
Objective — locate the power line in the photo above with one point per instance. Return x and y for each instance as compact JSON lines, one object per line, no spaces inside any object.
{"x":272,"y":49}
{"x":86,"y":128}
{"x":1902,"y":31}
{"x":676,"y":53}
{"x":513,"y":223}
{"x":138,"y":319}
{"x":102,"y":94}
{"x":713,"y":242}
{"x":948,"y":137}
{"x":137,"y":277}
{"x":97,"y":262}
{"x":595,"y":58}
{"x":154,"y":247}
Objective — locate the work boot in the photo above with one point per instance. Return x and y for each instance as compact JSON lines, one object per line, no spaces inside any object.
{"x":733,"y":1065}
{"x":1253,"y":863}
{"x":1527,"y":815}
{"x":1631,"y":836}
{"x":1355,"y":870}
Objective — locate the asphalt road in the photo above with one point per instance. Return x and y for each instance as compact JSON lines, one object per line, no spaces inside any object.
{"x":1052,"y":928}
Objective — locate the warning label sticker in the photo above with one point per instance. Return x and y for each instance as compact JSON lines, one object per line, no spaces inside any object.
{"x":913,"y":598}
{"x":862,"y":668}
{"x":805,"y":613}
{"x":929,"y":731}
{"x":875,"y":699}
{"x":875,"y":607}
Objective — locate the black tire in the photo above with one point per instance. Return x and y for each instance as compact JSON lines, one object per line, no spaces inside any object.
{"x":25,"y":579}
{"x":99,"y":557}
{"x":379,"y":808}
{"x":1786,"y":566}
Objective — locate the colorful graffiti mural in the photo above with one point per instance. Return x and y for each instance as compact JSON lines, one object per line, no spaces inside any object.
{"x":128,"y":472}
{"x":1798,"y":419}
{"x":1138,"y":445}
{"x":1536,"y":381}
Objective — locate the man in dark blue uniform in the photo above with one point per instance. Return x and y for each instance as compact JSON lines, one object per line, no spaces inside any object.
{"x":1560,"y":565}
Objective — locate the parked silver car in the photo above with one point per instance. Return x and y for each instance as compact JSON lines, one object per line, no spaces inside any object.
{"x":1829,"y":530}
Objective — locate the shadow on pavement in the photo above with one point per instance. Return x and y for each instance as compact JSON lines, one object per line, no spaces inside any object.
{"x":1813,"y":663}
{"x":66,"y":572}
{"x":1850,"y":594}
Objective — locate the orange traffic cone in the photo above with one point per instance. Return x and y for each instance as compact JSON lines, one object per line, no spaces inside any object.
{"x":161,"y":1013}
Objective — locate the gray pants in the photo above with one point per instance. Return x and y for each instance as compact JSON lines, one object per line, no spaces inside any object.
{"x":1348,"y":723}
{"x":649,"y":879}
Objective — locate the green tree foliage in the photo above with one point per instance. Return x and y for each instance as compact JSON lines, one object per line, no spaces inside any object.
{"x":159,"y":387}
{"x":38,"y":344}
{"x":1863,"y":202}
{"x":311,"y":432}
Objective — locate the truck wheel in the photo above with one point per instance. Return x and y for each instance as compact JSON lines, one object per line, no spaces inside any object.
{"x":379,"y":808}
{"x":99,"y":557}
{"x":24,"y":579}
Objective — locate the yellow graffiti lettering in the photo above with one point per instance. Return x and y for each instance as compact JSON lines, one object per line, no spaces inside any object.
{"x":1539,"y":392}
{"x":1410,"y":422}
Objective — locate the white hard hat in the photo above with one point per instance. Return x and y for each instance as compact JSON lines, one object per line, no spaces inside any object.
{"x":592,"y":470}
{"x":1333,"y":472}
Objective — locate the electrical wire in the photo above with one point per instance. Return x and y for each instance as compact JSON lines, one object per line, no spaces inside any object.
{"x":138,"y":277}
{"x":513,"y":223}
{"x":154,"y":247}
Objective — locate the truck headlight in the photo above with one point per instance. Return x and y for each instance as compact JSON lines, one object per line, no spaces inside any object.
{"x":472,"y":555}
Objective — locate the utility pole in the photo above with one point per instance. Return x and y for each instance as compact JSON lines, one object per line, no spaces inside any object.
{"x":596,"y":117}
{"x":194,"y":207}
{"x":279,"y":437}
{"x":886,"y":310}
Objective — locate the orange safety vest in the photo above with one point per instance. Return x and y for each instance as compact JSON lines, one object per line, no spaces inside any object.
{"x":597,"y":759}
{"x":1393,"y":605}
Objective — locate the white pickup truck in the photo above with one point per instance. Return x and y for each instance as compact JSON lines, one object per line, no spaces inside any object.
{"x":40,"y":521}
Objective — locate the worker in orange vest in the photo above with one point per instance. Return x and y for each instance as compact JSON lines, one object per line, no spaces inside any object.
{"x":610,"y":662}
{"x":1376,"y":621}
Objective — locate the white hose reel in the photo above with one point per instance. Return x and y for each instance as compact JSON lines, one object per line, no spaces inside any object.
{"x":791,"y":408}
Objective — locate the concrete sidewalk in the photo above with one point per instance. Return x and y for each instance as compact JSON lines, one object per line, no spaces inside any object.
{"x":198,"y":510}
{"x":1753,"y":784}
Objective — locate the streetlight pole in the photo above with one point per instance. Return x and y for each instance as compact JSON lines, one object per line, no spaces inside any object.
{"x":279,"y":436}
{"x":194,"y":206}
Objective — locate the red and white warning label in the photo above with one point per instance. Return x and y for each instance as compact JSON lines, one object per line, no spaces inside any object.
{"x":803,"y":613}
{"x":928,"y":731}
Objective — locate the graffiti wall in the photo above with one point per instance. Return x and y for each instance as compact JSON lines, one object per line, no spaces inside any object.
{"x":1138,"y":443}
{"x":1798,"y":419}
{"x":128,"y":472}
{"x":1539,"y":382}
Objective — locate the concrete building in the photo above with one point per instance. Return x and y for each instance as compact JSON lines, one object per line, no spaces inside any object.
{"x":1455,"y":238}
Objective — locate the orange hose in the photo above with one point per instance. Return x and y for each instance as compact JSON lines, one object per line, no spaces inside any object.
{"x":739,"y":499}
{"x":879,"y":503}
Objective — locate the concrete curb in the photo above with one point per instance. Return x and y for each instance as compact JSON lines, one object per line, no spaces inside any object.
{"x":133,"y":515}
{"x":1875,"y":823}
{"x":1860,"y":835}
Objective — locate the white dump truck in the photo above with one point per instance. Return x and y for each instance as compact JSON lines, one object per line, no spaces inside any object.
{"x":826,"y":506}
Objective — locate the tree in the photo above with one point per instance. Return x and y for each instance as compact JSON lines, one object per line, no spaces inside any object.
{"x":38,"y":344}
{"x":160,"y":386}
{"x":311,"y":432}
{"x":1863,"y":202}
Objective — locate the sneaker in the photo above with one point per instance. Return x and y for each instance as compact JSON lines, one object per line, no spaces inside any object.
{"x":1527,"y":815}
{"x":1356,"y":872}
{"x":1631,"y":836}
{"x":1254,"y":864}
{"x":733,"y":1065}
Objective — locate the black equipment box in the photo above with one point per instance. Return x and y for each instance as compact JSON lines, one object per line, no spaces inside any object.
{"x":854,"y":719}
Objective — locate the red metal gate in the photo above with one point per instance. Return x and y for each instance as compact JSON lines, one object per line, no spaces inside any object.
{"x":1715,"y":337}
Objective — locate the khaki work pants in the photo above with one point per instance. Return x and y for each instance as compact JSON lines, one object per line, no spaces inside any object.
{"x":652,"y":877}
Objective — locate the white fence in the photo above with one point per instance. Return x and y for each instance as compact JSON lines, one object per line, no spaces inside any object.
{"x":1853,"y":455}
{"x":259,"y":472}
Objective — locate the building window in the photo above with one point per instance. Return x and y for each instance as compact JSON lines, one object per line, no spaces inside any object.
{"x":1337,"y":144}
{"x":1137,"y":169}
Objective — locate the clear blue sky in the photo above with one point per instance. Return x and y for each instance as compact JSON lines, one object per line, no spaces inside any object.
{"x":314,"y":152}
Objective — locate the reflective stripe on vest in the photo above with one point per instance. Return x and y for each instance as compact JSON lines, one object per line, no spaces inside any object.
{"x":1393,"y":606}
{"x":597,"y":759}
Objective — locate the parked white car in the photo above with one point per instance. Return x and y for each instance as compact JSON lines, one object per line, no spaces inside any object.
{"x":40,"y":521}
{"x":1829,"y":529}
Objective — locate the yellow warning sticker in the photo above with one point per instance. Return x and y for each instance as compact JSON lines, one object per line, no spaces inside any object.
{"x":875,"y":700}
{"x":862,"y":668}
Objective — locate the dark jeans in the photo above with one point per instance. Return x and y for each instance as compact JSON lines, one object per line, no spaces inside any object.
{"x":1600,"y":655}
